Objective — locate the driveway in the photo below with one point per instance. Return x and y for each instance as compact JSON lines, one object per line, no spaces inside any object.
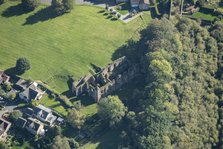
{"x":9,"y":106}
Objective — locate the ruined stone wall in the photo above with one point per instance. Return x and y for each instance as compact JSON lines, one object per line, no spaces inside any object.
{"x":120,"y":70}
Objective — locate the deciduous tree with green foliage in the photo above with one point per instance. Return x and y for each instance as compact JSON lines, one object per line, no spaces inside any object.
{"x":111,"y":109}
{"x":30,"y":5}
{"x":22,"y":64}
{"x":60,"y":142}
{"x":76,"y":118}
{"x":15,"y":115}
{"x":62,"y":6}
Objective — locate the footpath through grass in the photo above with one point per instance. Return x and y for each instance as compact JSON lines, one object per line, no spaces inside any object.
{"x":62,"y":46}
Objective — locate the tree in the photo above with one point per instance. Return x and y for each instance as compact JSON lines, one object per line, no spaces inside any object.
{"x":12,"y":96}
{"x":15,"y":115}
{"x":68,"y":5}
{"x":75,"y":118}
{"x":62,"y":6}
{"x":22,"y":64}
{"x":30,"y":5}
{"x":60,"y":143}
{"x":112,"y":110}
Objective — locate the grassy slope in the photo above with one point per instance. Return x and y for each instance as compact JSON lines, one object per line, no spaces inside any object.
{"x":63,"y":45}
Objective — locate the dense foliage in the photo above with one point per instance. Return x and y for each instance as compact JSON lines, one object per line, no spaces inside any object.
{"x":112,"y":110}
{"x":62,"y":6}
{"x":15,"y":115}
{"x":22,"y":64}
{"x":30,"y":4}
{"x":60,"y":142}
{"x":76,"y":118}
{"x":179,"y":106}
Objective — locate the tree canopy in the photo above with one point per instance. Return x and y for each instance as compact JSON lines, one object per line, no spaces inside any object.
{"x":111,"y":109}
{"x":23,"y":64}
{"x":76,"y":118}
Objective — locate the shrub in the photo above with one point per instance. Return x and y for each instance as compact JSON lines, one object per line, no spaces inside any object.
{"x":62,"y":6}
{"x":12,"y":96}
{"x":30,"y":4}
{"x":15,"y":115}
{"x":68,"y":5}
{"x":65,"y":100}
{"x":118,"y":15}
{"x":8,"y":87}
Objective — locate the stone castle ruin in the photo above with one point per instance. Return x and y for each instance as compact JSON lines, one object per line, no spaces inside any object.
{"x":107,"y":80}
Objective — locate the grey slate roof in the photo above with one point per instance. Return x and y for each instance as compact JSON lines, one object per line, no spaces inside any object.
{"x":29,"y":111}
{"x":22,"y":83}
{"x":42,"y":111}
{"x":21,"y":122}
{"x":33,"y":124}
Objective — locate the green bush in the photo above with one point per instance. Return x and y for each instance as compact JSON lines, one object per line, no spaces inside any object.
{"x":12,"y":96}
{"x":62,"y":6}
{"x":23,"y":64}
{"x":30,"y":4}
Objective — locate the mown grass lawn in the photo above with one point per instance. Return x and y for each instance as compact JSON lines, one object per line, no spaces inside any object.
{"x":204,"y":16}
{"x":61,"y":46}
{"x":54,"y":104}
{"x":109,"y":140}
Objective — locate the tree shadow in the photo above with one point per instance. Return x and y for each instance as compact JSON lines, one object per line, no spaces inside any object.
{"x":41,"y":16}
{"x":16,"y":10}
{"x":133,"y":50}
{"x":13,"y":71}
{"x":84,"y":99}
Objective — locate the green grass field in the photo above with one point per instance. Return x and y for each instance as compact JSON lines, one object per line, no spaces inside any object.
{"x":204,"y":16}
{"x":61,"y":46}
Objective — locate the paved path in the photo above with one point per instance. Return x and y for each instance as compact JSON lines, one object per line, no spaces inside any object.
{"x":9,"y":107}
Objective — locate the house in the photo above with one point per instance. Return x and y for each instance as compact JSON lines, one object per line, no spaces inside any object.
{"x":44,"y":114}
{"x":144,"y":4}
{"x":32,"y":92}
{"x":29,"y":112}
{"x":4,"y":127}
{"x":121,"y":1}
{"x":134,"y":3}
{"x":34,"y":126}
{"x":4,"y":78}
{"x":21,"y":122}
{"x":22,"y":84}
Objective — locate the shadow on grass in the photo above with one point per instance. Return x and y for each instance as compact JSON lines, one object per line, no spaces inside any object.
{"x":16,"y":10}
{"x":105,"y":14}
{"x":13,"y":71}
{"x":84,"y":99}
{"x":41,"y":16}
{"x":114,"y":19}
{"x":108,"y":17}
{"x":101,"y":11}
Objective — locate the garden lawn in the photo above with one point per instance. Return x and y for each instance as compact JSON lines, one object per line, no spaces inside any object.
{"x":54,"y":104}
{"x":61,"y":46}
{"x":204,"y":16}
{"x":109,"y":140}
